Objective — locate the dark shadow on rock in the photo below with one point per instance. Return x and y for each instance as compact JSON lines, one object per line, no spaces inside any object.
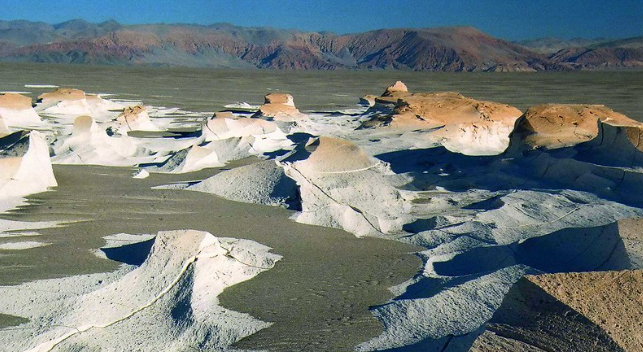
{"x":15,"y":144}
{"x":568,"y":250}
{"x":132,"y":254}
{"x":586,"y":167}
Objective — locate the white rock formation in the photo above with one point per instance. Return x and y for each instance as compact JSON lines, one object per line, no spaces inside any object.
{"x":169,"y":303}
{"x":343,"y":187}
{"x":134,"y":118}
{"x":17,"y":112}
{"x":31,"y":173}
{"x":89,"y":144}
{"x":260,"y":183}
{"x":279,"y":107}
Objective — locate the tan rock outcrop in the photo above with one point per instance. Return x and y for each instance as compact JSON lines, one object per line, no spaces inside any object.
{"x":15,"y":101}
{"x":395,"y":88}
{"x":367,"y":100}
{"x":333,"y":155}
{"x":280,"y":107}
{"x":561,"y":125}
{"x":3,"y":128}
{"x":431,"y":110}
{"x":63,"y":94}
{"x":589,"y":311}
{"x":134,"y":118}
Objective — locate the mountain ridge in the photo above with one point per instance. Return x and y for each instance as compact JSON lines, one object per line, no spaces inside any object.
{"x":224,"y":45}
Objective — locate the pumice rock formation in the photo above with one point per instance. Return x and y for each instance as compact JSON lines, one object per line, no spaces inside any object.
{"x":31,"y":173}
{"x":279,"y":107}
{"x":460,"y":124}
{"x":555,"y":126}
{"x":224,"y":125}
{"x":592,"y":311}
{"x":169,"y":302}
{"x":341,"y":186}
{"x":17,"y":112}
{"x":69,"y":103}
{"x":90,"y":144}
{"x":134,"y":118}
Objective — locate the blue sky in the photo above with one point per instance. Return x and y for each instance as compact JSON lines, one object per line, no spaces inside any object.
{"x":509,"y":19}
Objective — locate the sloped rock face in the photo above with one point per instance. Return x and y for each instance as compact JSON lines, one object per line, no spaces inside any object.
{"x":62,"y":94}
{"x":341,"y":186}
{"x":593,"y":311}
{"x":28,"y":174}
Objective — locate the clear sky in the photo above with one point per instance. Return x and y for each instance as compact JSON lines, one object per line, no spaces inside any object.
{"x":508,"y":19}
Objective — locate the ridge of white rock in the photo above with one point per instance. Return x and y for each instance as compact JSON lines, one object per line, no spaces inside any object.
{"x":170,"y":301}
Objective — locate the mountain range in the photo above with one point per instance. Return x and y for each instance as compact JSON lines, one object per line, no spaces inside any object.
{"x":225,"y":45}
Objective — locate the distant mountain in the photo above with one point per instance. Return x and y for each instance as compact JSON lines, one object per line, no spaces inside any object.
{"x":226,"y":45}
{"x":622,"y":53}
{"x":551,"y":45}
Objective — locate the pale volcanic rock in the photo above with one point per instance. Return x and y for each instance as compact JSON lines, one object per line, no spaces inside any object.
{"x":461,"y":124}
{"x":62,"y":94}
{"x":343,"y":187}
{"x":70,"y":103}
{"x":280,"y":107}
{"x":227,"y":125}
{"x":260,"y":183}
{"x":169,"y":303}
{"x":397,"y":87}
{"x":90,"y":144}
{"x":134,"y":118}
{"x":16,"y":111}
{"x":4,"y":130}
{"x":64,"y":101}
{"x":14,"y":101}
{"x":553,"y":126}
{"x":31,"y":173}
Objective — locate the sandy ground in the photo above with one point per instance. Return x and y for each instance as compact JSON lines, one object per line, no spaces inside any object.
{"x":318,"y":295}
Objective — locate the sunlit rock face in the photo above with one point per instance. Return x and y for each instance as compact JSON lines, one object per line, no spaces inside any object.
{"x":17,"y":112}
{"x":28,"y":174}
{"x":555,"y":126}
{"x":280,"y":107}
{"x":461,"y":124}
{"x":134,"y":118}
